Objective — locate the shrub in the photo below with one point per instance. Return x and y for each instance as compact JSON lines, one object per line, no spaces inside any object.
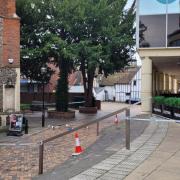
{"x":25,"y":106}
{"x":158,"y":100}
{"x":172,"y":101}
{"x":177,"y":103}
{"x":169,"y":101}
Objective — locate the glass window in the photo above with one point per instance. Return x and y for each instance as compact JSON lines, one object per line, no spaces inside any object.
{"x":152,"y":31}
{"x":173,"y":30}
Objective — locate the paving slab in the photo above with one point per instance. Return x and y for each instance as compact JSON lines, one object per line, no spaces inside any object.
{"x":164,"y":162}
{"x":98,"y":152}
{"x":146,"y":144}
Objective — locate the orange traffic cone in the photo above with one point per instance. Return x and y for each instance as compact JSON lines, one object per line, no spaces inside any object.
{"x":116,"y":120}
{"x":78,"y":149}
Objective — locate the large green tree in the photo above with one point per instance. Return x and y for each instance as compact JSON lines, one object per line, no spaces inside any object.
{"x":43,"y":43}
{"x":102,"y":32}
{"x":96,"y":34}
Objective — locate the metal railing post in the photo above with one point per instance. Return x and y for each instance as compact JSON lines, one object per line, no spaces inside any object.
{"x":128,"y":129}
{"x":97,"y":128}
{"x":26,"y":126}
{"x":41,"y":154}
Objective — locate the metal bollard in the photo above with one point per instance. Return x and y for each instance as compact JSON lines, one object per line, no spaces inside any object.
{"x":26,"y":126}
{"x":128,"y":129}
{"x":41,"y":155}
{"x":97,"y":128}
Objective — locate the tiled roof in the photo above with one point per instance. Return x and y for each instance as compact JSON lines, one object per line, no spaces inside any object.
{"x":120,"y":78}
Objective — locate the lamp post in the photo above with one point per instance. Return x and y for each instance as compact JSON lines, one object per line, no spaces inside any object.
{"x":43,"y":72}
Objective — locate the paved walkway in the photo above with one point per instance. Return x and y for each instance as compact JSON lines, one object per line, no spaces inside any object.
{"x":110,"y":141}
{"x":21,"y":161}
{"x":164,"y":163}
{"x":155,"y":154}
{"x":122,"y":163}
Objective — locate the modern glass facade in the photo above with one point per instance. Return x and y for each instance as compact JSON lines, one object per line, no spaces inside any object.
{"x":159,"y":23}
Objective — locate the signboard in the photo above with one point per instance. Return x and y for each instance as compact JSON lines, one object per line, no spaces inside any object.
{"x":166,"y":1}
{"x":16,"y":123}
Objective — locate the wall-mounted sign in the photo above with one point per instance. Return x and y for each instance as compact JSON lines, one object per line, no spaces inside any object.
{"x":166,"y":1}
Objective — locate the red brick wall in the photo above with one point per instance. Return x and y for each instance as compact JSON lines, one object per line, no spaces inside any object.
{"x":27,"y":98}
{"x":11,"y":41}
{"x":11,"y":33}
{"x":7,"y":8}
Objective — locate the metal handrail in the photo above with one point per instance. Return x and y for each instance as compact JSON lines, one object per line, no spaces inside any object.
{"x":126,"y":109}
{"x":84,"y":125}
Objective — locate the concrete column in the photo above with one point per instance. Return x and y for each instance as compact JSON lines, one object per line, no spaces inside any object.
{"x":153,"y":82}
{"x":175,"y":85}
{"x":146,"y":90}
{"x":166,"y":82}
{"x":17,"y":91}
{"x":157,"y":82}
{"x":161,"y":82}
{"x":1,"y":98}
{"x":170,"y":83}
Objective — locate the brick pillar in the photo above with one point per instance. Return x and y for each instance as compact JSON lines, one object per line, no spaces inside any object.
{"x":8,"y":8}
{"x":10,"y":49}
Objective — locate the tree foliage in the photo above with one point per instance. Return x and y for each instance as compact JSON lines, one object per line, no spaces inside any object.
{"x":102,"y":35}
{"x":89,"y":34}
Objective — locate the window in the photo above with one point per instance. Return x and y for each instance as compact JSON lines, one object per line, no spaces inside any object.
{"x":134,"y":83}
{"x":128,"y":94}
{"x":159,"y":23}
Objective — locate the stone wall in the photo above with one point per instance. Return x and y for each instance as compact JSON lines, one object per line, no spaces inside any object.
{"x":1,"y":40}
{"x":9,"y":49}
{"x":1,"y":98}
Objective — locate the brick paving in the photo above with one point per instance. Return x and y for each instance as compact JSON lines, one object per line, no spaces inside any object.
{"x":21,"y":161}
{"x":122,"y":163}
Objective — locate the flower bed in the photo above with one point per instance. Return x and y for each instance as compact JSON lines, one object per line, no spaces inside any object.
{"x":168,"y":107}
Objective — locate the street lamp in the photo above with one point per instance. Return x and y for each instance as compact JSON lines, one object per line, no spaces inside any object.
{"x":43,"y":72}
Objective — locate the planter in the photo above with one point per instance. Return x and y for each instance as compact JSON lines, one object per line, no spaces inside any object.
{"x":88,"y":110}
{"x":157,"y":109}
{"x":167,"y":106}
{"x":168,"y":111}
{"x":176,"y":113}
{"x":98,"y":104}
{"x":66,"y":115}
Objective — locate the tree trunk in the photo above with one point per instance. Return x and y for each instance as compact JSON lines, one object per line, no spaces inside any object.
{"x":89,"y":98}
{"x":88,"y":78}
{"x":89,"y":94}
{"x":62,"y":88}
